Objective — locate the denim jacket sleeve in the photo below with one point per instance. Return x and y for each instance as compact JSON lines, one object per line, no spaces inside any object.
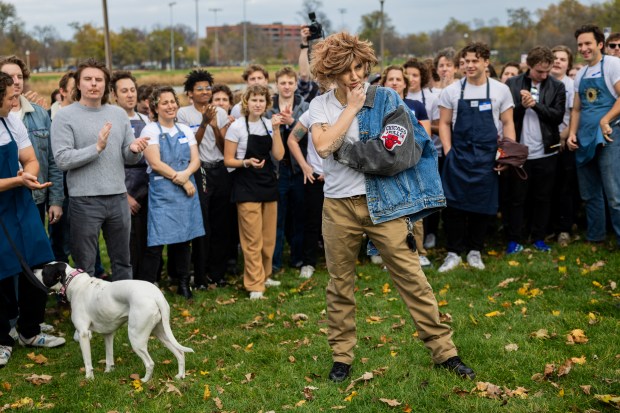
{"x":392,"y":151}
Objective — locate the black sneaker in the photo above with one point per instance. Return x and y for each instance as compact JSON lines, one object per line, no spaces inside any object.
{"x":455,"y":365}
{"x":340,"y":371}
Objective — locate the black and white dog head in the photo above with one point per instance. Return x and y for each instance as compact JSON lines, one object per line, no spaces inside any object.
{"x":53,"y":275}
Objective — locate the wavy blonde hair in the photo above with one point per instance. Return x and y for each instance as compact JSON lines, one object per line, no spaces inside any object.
{"x":258,"y":90}
{"x":335,"y":54}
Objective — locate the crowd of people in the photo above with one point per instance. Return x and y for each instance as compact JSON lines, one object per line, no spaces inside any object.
{"x":325,"y":160}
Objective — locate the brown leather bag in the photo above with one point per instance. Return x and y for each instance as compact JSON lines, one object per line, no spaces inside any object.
{"x":513,"y":154}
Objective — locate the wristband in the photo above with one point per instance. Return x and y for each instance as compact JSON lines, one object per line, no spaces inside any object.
{"x":244,"y":164}
{"x":303,"y":46}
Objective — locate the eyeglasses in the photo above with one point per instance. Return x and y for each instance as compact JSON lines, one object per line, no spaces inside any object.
{"x":201,"y":88}
{"x":613,"y":45}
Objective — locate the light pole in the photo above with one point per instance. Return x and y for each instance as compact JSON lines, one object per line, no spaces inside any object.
{"x":381,"y":34}
{"x":106,"y":37}
{"x":197,"y":38}
{"x":28,"y":59}
{"x":217,"y":62}
{"x":171,"y":37}
{"x":245,"y":37}
{"x":342,"y":12}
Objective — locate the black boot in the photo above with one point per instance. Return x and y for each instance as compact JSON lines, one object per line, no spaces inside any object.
{"x":184,"y":289}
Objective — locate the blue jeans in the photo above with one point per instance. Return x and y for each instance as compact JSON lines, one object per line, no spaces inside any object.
{"x":598,"y":178}
{"x":291,"y":187}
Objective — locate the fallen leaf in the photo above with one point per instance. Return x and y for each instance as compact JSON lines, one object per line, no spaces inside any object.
{"x":39,"y":358}
{"x":171,"y":388}
{"x":610,"y":399}
{"x":586,"y":389}
{"x":308,"y":392}
{"x":6,"y":386}
{"x":442,"y":303}
{"x":391,"y":402}
{"x":542,"y":334}
{"x":207,"y":393}
{"x":291,"y":359}
{"x":350,"y":396}
{"x":511,"y":347}
{"x":407,"y":409}
{"x":386,"y":288}
{"x":299,"y":316}
{"x":249,"y":347}
{"x":565,"y":368}
{"x":505,"y":283}
{"x":39,"y":379}
{"x":300,"y":403}
{"x":374,"y":319}
{"x":562,"y":269}
{"x":513,"y":263}
{"x":185,"y":313}
{"x":555,"y":313}
{"x":493,"y":314}
{"x":576,"y":336}
{"x":579,"y":360}
{"x":137,"y":385}
{"x":549,"y":370}
{"x":225,"y":302}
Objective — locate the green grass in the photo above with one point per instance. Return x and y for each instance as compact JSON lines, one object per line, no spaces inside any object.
{"x":259,"y":338}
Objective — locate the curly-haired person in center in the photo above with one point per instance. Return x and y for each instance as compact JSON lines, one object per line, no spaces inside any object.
{"x":380,"y":177}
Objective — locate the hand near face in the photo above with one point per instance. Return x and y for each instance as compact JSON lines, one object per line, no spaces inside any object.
{"x":356,"y":97}
{"x":277,"y":120}
{"x":287,"y":115}
{"x":209,"y":115}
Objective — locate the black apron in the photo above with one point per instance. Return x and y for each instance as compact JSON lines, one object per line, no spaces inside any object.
{"x":252,"y":184}
{"x":469,"y":181}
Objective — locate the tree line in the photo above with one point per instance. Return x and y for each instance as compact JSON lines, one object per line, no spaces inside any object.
{"x":140,"y":48}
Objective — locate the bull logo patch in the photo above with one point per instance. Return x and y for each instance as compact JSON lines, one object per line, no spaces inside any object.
{"x":393,"y":136}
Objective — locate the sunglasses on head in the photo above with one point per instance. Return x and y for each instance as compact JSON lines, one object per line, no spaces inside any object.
{"x":201,"y":88}
{"x":613,"y":45}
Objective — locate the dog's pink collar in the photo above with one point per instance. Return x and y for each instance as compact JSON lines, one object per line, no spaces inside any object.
{"x":68,"y":280}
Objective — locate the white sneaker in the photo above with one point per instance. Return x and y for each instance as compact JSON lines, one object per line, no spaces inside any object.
{"x":306,"y":271}
{"x":376,"y":259}
{"x":272,"y":283}
{"x":424,"y":261}
{"x":13,"y":334}
{"x":475,"y":260}
{"x":5,"y":355}
{"x":429,"y":241}
{"x":46,"y":328}
{"x":256,"y":295}
{"x":41,"y":340}
{"x":452,"y":261}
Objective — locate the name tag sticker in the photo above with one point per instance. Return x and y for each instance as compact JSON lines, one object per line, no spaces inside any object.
{"x":473,"y":103}
{"x":157,"y":178}
{"x":484,"y":107}
{"x":183,"y":140}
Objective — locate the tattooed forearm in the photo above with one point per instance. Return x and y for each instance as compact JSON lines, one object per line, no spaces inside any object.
{"x":333,"y":147}
{"x":299,"y":132}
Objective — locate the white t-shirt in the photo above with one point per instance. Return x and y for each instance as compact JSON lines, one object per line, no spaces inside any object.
{"x":501,"y":99}
{"x":430,"y":101}
{"x":611,"y":69}
{"x":235,"y":112}
{"x":208,"y":150}
{"x":531,"y":134}
{"x":569,"y":85}
{"x":238,"y":133}
{"x":313,"y":158}
{"x":340,"y":180}
{"x":152,"y":131}
{"x":18,"y":130}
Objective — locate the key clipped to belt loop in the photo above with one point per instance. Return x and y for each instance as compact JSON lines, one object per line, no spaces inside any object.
{"x":410,"y":237}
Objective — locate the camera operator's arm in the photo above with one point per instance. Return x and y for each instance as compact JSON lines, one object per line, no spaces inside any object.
{"x":304,"y":61}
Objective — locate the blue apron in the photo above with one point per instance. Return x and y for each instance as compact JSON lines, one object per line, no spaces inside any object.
{"x":596,"y":101}
{"x":469,"y":181}
{"x":21,"y":217}
{"x":173,"y":217}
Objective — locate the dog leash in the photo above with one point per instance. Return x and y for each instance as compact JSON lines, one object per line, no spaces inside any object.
{"x":25,"y":267}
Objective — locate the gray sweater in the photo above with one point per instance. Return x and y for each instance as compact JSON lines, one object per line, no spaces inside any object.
{"x":74,"y":140}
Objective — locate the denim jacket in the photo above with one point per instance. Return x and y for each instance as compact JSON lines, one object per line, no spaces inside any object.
{"x":401,"y":173}
{"x":38,"y":124}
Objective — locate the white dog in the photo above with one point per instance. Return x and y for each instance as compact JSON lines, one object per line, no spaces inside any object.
{"x":102,"y":307}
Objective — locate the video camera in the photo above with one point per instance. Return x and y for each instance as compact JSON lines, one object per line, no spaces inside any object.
{"x":316,"y":30}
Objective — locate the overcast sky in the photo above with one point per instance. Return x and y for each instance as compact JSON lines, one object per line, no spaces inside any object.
{"x":409,"y":16}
